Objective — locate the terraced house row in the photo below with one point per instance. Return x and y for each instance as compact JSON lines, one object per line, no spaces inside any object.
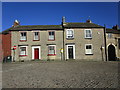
{"x":79,"y":41}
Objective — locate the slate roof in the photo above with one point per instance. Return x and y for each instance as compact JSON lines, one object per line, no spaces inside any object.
{"x":82,"y":25}
{"x":37,"y":27}
{"x":113,"y":31}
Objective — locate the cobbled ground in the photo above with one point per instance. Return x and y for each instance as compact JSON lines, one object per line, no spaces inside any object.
{"x":60,"y":74}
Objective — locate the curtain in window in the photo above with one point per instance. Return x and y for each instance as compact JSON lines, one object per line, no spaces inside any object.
{"x":22,"y":50}
{"x":51,"y":50}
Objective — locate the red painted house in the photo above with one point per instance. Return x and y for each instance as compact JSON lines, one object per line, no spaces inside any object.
{"x":1,"y":52}
{"x":5,"y":44}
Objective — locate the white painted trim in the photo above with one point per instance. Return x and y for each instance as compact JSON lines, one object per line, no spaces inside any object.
{"x":67,"y":32}
{"x":91,"y":48}
{"x":33,"y":47}
{"x":26,"y":49}
{"x":73,"y":51}
{"x":54,"y":46}
{"x":85,"y":33}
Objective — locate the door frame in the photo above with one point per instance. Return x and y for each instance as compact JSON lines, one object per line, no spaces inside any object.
{"x":33,"y":48}
{"x":73,"y":51}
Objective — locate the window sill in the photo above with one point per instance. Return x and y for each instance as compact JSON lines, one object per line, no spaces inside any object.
{"x":69,"y":38}
{"x":22,"y":55}
{"x":51,"y":54}
{"x":50,"y":40}
{"x":89,"y":38}
{"x":88,"y":54}
{"x":23,"y":40}
{"x":36,"y":40}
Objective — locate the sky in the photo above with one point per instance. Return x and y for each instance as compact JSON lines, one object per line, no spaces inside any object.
{"x":50,"y":13}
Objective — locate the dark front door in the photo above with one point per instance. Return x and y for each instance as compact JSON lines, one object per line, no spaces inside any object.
{"x":111,"y":53}
{"x":36,"y":53}
{"x":70,"y":52}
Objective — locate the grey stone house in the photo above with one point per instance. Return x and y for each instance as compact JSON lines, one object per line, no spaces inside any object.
{"x":113,"y":43}
{"x":80,"y":41}
{"x":84,"y":41}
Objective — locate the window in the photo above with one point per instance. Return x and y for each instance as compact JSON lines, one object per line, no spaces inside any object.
{"x":23,"y":36}
{"x":88,"y":49}
{"x":88,"y":33}
{"x":51,"y":35}
{"x":70,"y":34}
{"x":36,"y":35}
{"x":51,"y":50}
{"x":23,"y":50}
{"x":109,"y":35}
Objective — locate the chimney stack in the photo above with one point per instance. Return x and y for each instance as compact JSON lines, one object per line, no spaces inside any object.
{"x":16,"y":23}
{"x":88,"y":21}
{"x":116,"y":27}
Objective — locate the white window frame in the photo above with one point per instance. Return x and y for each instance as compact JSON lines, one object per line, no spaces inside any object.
{"x":67,"y":36}
{"x":91,"y":49}
{"x":73,"y":51}
{"x":51,"y":35}
{"x":20,"y":50}
{"x":109,"y":35}
{"x":86,"y":33}
{"x":38,"y":35}
{"x":33,"y":48}
{"x":23,"y":36}
{"x":54,"y":48}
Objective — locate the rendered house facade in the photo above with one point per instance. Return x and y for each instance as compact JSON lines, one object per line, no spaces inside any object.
{"x":80,"y":41}
{"x":84,"y":41}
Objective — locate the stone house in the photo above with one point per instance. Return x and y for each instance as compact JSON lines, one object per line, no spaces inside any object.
{"x":36,"y":42}
{"x":113,"y":43}
{"x":80,"y":41}
{"x":84,"y":41}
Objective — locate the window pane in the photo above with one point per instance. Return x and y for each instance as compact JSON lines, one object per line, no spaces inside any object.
{"x":69,"y":33}
{"x":88,"y":33}
{"x":51,"y":50}
{"x":23,"y":36}
{"x":36,"y":35}
{"x":22,"y":50}
{"x":88,"y":49}
{"x":51,"y":35}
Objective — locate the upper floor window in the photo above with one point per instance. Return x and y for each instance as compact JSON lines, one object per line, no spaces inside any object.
{"x":88,"y":33}
{"x":23,"y":50}
{"x":36,"y":35}
{"x":51,"y":50}
{"x":109,"y":35}
{"x":69,"y":33}
{"x":51,"y":35}
{"x":88,"y":49}
{"x":23,"y":36}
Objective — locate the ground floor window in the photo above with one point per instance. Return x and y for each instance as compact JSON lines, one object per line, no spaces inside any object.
{"x":23,"y":50}
{"x":88,"y":49}
{"x":51,"y":50}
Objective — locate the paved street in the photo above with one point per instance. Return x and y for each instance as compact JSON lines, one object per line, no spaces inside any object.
{"x":60,"y":74}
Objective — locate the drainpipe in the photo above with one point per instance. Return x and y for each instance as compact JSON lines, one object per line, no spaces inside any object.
{"x":105,"y":42}
{"x":63,"y":21}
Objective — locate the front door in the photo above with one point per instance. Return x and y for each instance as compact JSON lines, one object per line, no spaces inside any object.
{"x":36,"y":53}
{"x":111,"y":53}
{"x":70,"y":52}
